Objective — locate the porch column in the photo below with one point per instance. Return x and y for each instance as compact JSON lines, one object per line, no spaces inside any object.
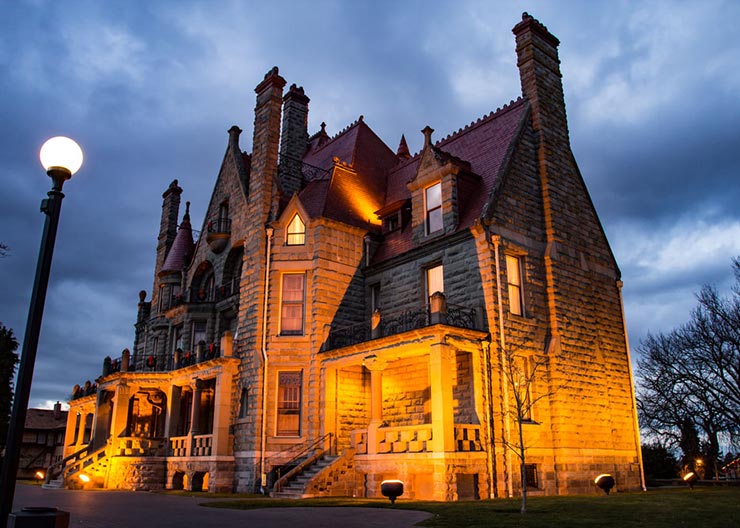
{"x":70,"y":440}
{"x":101,"y":420}
{"x":172,"y":420}
{"x":375,"y":366}
{"x":222,"y":413}
{"x":119,"y":419}
{"x":195,"y":410}
{"x":441,"y":370}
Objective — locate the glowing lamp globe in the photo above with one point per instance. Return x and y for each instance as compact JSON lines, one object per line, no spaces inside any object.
{"x":61,"y":153}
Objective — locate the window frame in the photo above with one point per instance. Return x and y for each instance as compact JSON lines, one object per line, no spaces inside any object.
{"x":295,"y":232}
{"x":515,"y":287}
{"x":288,"y":303}
{"x":292,"y":406}
{"x":427,"y":274}
{"x":428,"y":211}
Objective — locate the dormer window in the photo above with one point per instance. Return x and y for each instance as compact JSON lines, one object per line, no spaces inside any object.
{"x":391,"y":223}
{"x":433,"y":208}
{"x":296,"y":232}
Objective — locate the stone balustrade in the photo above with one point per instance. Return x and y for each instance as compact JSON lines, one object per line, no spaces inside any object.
{"x":136,"y":446}
{"x":191,"y":445}
{"x":415,"y":439}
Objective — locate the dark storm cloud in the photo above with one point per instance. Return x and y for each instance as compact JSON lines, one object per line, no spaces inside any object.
{"x":149,"y":90}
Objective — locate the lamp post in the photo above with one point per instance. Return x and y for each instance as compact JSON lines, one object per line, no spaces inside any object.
{"x":61,"y":158}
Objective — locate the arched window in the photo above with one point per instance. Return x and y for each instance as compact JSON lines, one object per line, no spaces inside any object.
{"x":296,"y":233}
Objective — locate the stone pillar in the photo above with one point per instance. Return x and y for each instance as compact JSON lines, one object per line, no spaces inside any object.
{"x":70,"y":439}
{"x":227,"y":344}
{"x":222,"y":413}
{"x":195,"y":410}
{"x":375,"y":366}
{"x":329,"y":402}
{"x":200,"y":351}
{"x":125,"y":359}
{"x":101,"y":420}
{"x":172,"y":420}
{"x":438,"y":308}
{"x":441,"y":370}
{"x":119,"y":419}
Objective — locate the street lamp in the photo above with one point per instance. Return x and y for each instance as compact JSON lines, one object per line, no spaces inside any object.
{"x":61,"y":158}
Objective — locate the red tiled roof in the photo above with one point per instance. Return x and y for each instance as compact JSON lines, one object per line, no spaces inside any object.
{"x":379,"y":176}
{"x":182,"y":248}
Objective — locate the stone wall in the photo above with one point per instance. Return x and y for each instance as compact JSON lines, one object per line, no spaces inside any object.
{"x":406,"y":392}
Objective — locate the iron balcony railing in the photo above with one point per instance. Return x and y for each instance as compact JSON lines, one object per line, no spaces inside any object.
{"x":397,"y":322}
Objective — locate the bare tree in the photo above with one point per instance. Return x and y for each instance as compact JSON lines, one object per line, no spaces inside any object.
{"x":521,"y":370}
{"x":689,"y":378}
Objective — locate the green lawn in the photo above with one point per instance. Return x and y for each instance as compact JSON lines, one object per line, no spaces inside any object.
{"x":701,"y":507}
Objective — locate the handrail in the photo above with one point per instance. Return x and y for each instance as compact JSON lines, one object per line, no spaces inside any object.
{"x":62,"y":463}
{"x":305,"y":463}
{"x":82,"y":463}
{"x":302,"y":453}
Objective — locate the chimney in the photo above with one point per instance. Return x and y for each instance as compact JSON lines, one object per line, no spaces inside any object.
{"x":294,"y":139}
{"x":57,"y":410}
{"x":167,"y":231}
{"x":539,"y":72}
{"x":265,"y":143}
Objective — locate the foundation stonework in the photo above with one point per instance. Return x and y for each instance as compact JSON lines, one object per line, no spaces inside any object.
{"x":345,"y":300}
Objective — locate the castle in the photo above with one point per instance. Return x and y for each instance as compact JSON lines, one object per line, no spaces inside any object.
{"x":350,"y":314}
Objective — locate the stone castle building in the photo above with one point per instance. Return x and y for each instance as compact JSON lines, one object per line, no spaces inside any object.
{"x":350,"y":314}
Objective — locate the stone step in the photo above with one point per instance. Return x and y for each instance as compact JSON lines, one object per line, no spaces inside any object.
{"x":53,"y":484}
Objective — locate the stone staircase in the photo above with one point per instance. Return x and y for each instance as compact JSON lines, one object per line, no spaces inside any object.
{"x":53,"y":484}
{"x":296,"y":487}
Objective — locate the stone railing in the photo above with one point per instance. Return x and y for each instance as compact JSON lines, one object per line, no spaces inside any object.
{"x":202,"y":445}
{"x":468,"y":438}
{"x":384,"y":324}
{"x":414,"y":439}
{"x":135,"y":446}
{"x":191,"y":445}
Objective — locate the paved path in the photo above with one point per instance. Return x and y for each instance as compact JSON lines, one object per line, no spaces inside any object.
{"x":126,"y":509}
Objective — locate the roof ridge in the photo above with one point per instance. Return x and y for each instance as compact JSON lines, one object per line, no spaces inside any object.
{"x":346,"y":129}
{"x":501,"y":110}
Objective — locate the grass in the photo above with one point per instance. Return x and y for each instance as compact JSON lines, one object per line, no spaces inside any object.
{"x":701,"y":507}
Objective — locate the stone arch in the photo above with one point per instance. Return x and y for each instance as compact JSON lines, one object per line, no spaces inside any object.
{"x":202,"y":287}
{"x":200,"y":481}
{"x":178,"y":480}
{"x":233,"y":266}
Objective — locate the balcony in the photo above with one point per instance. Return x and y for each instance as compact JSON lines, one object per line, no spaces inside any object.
{"x":385,"y":324}
{"x":218,"y":232}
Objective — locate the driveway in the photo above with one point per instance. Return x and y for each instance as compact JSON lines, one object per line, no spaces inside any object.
{"x":128,"y":509}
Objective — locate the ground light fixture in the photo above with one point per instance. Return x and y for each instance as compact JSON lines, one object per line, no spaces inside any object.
{"x":605,"y":482}
{"x":690,"y":479}
{"x":391,"y":489}
{"x":61,"y":157}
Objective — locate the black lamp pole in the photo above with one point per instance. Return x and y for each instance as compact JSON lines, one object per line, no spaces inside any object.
{"x":50,"y":206}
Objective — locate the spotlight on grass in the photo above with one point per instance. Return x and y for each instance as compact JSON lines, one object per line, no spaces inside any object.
{"x":39,"y":475}
{"x":605,"y":481}
{"x":84,"y":478}
{"x":690,"y":478}
{"x":391,"y":489}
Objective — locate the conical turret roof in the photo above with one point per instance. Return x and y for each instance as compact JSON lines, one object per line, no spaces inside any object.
{"x":182,"y":248}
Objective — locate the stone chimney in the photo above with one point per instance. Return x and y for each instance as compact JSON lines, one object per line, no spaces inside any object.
{"x":541,"y":80}
{"x":265,"y":145}
{"x":167,"y":231}
{"x":57,"y":411}
{"x":294,"y":139}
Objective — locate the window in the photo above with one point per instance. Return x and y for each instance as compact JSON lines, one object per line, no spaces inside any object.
{"x":375,"y":297}
{"x":530,"y":470}
{"x":514,"y":278}
{"x":296,"y":234}
{"x":434,"y":281}
{"x":291,"y":309}
{"x":289,"y":404}
{"x":244,"y":404}
{"x":391,"y":223}
{"x":174,"y":295}
{"x":433,"y":208}
{"x":177,"y":338}
{"x":198,"y":333}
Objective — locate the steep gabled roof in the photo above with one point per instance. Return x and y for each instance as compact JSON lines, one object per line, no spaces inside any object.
{"x":352,"y":187}
{"x":483,"y":144}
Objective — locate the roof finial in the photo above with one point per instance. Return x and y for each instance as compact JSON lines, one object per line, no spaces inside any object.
{"x":427,"y":131}
{"x":323,"y":127}
{"x":403,"y":149}
{"x":187,"y":212}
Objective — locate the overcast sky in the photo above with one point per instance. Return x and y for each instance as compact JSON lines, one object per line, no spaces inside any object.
{"x":149,"y":90}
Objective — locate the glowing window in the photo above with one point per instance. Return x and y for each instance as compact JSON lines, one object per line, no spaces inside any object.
{"x":292,"y":304}
{"x":296,"y":233}
{"x":433,"y":208}
{"x":289,"y":404}
{"x":434,"y":280}
{"x":514,"y":279}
